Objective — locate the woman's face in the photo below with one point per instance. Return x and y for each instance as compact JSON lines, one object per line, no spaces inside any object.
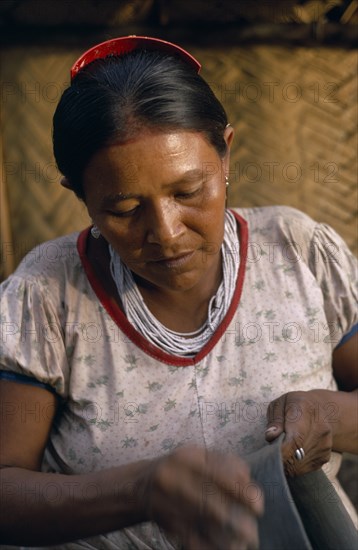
{"x":159,"y":200}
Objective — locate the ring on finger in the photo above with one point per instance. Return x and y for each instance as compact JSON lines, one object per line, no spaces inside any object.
{"x":299,"y":454}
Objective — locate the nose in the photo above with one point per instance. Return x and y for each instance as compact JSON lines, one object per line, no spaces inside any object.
{"x":164,"y":223}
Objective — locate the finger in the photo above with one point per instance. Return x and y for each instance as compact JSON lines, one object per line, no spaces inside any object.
{"x":315,"y":447}
{"x":236,"y":529}
{"x":308,"y":441}
{"x":247,"y":527}
{"x":284,"y":415}
{"x":228,"y":501}
{"x":217,"y":523}
{"x":209,"y":494}
{"x":195,"y":488}
{"x":275,"y":418}
{"x":235,"y":525}
{"x":294,"y":454}
{"x":295,"y":445}
{"x":226,"y":475}
{"x":231,"y":476}
{"x":272,"y":433}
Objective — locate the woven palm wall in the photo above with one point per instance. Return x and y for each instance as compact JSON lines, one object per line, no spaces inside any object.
{"x":38,"y":208}
{"x":293,"y":111}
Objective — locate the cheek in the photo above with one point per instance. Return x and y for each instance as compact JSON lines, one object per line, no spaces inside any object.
{"x":216,"y":201}
{"x":212,"y":211}
{"x":124,"y":239}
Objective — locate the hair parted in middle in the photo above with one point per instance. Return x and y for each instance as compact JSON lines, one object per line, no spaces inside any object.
{"x":112,"y":99}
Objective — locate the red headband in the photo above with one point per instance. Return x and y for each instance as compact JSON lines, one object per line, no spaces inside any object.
{"x":126,"y":44}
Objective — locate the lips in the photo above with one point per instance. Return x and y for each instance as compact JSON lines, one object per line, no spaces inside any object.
{"x":175,"y":261}
{"x":174,"y":257}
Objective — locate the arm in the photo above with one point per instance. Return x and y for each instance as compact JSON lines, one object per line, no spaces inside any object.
{"x":319,"y":420}
{"x":56,"y":508}
{"x":345,"y":370}
{"x":53,"y":508}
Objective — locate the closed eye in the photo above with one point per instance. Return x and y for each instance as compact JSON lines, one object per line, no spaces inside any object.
{"x":188,"y":195}
{"x":125,"y":213}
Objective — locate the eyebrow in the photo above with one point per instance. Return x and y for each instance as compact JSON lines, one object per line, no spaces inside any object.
{"x":117,"y":197}
{"x":190,"y":175}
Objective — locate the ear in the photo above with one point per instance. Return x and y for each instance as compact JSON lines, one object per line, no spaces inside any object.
{"x":228,"y":137}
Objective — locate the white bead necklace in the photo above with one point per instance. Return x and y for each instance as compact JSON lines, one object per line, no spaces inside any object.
{"x":189,"y":343}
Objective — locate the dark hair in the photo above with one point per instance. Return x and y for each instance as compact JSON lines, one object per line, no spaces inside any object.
{"x":111,"y":98}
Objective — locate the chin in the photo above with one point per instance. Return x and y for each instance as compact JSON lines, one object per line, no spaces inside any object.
{"x":176,"y":283}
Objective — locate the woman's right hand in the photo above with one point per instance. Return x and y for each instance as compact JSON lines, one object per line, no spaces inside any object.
{"x":205,"y":498}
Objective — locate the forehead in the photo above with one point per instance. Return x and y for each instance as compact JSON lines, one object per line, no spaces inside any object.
{"x":153,"y":157}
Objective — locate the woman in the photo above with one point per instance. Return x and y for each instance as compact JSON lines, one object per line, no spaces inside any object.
{"x":140,"y":359}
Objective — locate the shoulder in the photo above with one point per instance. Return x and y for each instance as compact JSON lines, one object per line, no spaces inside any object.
{"x":284,"y":226}
{"x":50,"y":258}
{"x":47,"y":270}
{"x":278,"y":225}
{"x":269,"y":217}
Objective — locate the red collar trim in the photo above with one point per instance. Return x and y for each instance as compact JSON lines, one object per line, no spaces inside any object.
{"x":120,"y":319}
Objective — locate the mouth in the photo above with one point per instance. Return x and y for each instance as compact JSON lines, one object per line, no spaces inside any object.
{"x":172,"y":262}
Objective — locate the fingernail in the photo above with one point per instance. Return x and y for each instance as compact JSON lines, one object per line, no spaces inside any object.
{"x":271,"y":430}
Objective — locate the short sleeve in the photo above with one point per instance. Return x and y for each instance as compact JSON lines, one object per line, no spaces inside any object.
{"x":32,"y":342}
{"x":335,"y":270}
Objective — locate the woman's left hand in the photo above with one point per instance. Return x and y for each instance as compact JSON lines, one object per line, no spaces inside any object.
{"x":308,"y":420}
